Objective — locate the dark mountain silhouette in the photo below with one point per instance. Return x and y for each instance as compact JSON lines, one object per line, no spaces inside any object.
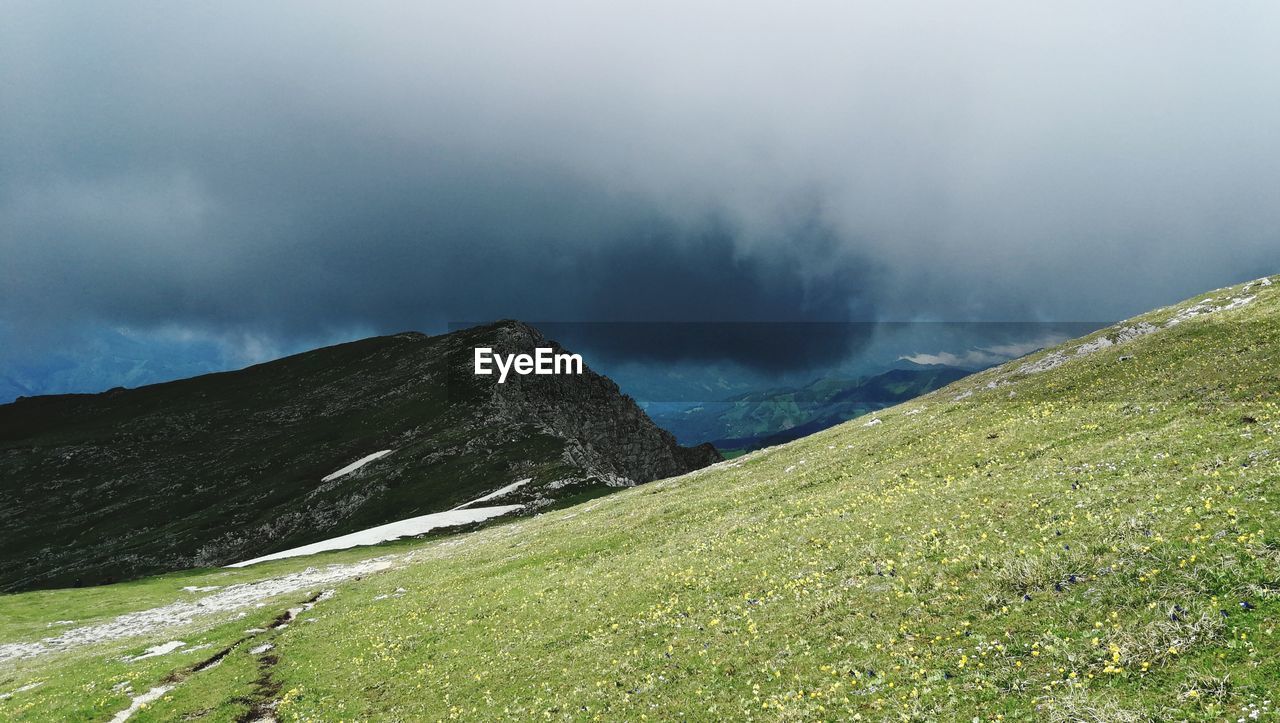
{"x":222,"y":467}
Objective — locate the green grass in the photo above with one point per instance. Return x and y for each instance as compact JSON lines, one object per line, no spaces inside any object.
{"x":1069,"y":545}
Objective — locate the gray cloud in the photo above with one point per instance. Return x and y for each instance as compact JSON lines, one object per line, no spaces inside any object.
{"x":298,"y":169}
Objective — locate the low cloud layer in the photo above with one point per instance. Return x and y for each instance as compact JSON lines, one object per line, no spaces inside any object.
{"x":296,"y":171}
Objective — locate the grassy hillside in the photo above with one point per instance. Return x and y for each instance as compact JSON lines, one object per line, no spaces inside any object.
{"x":1087,"y":534}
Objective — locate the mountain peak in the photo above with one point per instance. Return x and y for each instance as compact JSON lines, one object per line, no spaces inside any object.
{"x":222,"y":467}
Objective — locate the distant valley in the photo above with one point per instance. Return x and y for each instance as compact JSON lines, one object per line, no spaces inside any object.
{"x":754,"y":420}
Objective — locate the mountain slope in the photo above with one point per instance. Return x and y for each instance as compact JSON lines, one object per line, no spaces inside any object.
{"x":1089,"y":533}
{"x":223,"y":467}
{"x":760,"y":419}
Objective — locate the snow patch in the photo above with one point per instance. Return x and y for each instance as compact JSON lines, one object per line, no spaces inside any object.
{"x":261,"y":649}
{"x":873,"y":422}
{"x":497,"y":493}
{"x":136,"y":705}
{"x":156,"y":650}
{"x":356,"y":465}
{"x":390,"y":531}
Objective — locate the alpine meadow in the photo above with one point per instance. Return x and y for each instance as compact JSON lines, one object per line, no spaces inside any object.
{"x":1086,"y":533}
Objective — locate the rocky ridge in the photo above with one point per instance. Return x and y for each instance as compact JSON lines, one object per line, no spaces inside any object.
{"x":224,"y":467}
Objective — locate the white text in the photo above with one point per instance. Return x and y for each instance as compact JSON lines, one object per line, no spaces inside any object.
{"x":542,"y":361}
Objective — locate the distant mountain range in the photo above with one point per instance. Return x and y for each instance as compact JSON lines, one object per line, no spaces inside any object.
{"x":761,"y":419}
{"x":223,"y":467}
{"x":110,"y":358}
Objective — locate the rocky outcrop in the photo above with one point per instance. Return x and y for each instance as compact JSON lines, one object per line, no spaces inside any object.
{"x":607,"y":433}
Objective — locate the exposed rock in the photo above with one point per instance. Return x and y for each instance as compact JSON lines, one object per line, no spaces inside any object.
{"x":606,"y":432}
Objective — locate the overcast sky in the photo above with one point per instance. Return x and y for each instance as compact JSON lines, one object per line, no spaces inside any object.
{"x":260,"y":176}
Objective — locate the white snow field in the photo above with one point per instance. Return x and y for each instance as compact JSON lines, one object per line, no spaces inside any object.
{"x":390,"y":531}
{"x":356,"y":465}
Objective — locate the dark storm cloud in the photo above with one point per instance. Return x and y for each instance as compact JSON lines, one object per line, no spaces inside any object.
{"x":290,"y":170}
{"x":768,"y":347}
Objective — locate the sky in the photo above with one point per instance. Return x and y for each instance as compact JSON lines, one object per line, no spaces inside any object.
{"x":195,"y":186}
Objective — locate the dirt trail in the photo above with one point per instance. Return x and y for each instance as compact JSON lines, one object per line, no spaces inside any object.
{"x":154,"y":620}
